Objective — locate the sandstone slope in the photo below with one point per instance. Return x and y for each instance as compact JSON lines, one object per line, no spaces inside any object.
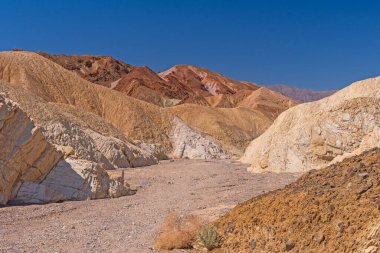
{"x":33,"y":170}
{"x":335,"y":209}
{"x":312,"y":135}
{"x":136,"y":119}
{"x":300,"y":95}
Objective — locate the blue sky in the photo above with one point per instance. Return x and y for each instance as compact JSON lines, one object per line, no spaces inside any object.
{"x":308,"y":44}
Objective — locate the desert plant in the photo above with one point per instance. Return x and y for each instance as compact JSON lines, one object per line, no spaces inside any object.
{"x":178,"y":232}
{"x":209,"y":238}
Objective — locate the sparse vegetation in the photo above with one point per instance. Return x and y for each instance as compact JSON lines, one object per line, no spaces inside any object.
{"x":178,"y":232}
{"x":209,"y":238}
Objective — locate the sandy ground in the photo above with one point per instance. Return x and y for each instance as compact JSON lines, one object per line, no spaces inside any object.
{"x":129,"y":224}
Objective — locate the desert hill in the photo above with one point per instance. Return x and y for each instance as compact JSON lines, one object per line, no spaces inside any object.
{"x":312,"y":135}
{"x":300,"y":95}
{"x":153,"y":128}
{"x":181,"y":84}
{"x":335,"y":209}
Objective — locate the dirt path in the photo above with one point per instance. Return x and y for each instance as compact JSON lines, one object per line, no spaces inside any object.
{"x":128,"y":224}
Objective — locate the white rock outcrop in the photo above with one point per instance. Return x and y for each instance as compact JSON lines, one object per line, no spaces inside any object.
{"x":313,"y":135}
{"x":33,"y":170}
{"x":25,"y":154}
{"x":189,"y":143}
{"x":72,"y":179}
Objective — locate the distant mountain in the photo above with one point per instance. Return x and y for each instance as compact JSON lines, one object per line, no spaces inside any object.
{"x":300,"y":95}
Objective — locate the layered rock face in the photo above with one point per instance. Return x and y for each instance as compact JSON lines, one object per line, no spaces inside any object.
{"x":335,"y":209}
{"x":312,"y":135}
{"x":25,"y":155}
{"x":34,"y":171}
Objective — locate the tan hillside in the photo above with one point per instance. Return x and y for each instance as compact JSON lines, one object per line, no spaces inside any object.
{"x":264,"y":100}
{"x":234,"y":127}
{"x":268,"y":102}
{"x":312,"y":135}
{"x":102,"y":70}
{"x":335,"y":209}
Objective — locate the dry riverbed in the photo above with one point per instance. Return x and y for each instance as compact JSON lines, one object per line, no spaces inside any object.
{"x":129,"y":224}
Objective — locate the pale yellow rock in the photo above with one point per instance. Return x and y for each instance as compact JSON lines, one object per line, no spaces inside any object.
{"x":72,"y":179}
{"x":313,"y":135}
{"x":25,"y":154}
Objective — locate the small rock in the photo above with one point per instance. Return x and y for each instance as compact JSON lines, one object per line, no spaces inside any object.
{"x":363,"y":189}
{"x":253,"y":244}
{"x":363,"y":175}
{"x":289,"y":245}
{"x":340,"y":227}
{"x":312,"y":171}
{"x":319,"y":238}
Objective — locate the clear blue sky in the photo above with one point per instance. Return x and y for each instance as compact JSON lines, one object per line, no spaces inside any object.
{"x":308,"y":44}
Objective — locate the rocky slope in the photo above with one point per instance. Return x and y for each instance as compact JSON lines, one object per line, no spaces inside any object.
{"x":312,"y":135}
{"x":335,"y":209}
{"x":135,"y":119}
{"x":300,"y":95}
{"x":34,"y":171}
{"x":103,"y":70}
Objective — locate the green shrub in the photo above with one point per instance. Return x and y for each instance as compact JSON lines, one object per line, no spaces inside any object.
{"x":209,"y":238}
